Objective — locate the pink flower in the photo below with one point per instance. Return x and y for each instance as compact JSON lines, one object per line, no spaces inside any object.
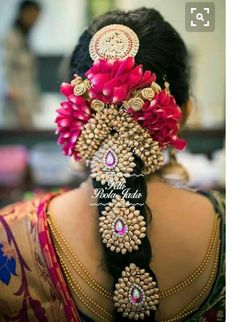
{"x":113,"y":82}
{"x":161,"y":118}
{"x":73,"y":114}
{"x":66,"y":89}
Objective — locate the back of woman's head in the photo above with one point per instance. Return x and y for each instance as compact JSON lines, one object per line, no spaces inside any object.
{"x":161,"y":48}
{"x":117,"y":143}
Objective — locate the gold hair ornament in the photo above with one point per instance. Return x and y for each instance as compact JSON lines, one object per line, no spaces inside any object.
{"x":136,"y":294}
{"x":114,"y":42}
{"x":122,"y":226}
{"x":105,"y":157}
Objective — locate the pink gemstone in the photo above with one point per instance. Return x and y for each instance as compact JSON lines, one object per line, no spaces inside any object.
{"x":120,"y":227}
{"x":136,"y":296}
{"x":110,"y":159}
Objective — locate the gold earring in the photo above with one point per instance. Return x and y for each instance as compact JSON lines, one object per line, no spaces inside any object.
{"x":173,"y":172}
{"x":77,"y":166}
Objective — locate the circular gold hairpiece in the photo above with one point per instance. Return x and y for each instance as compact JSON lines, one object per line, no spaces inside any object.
{"x":114,"y":42}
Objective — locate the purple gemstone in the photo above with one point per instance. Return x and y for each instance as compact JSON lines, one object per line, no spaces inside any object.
{"x":120,"y":228}
{"x":136,"y":295}
{"x":110,"y":159}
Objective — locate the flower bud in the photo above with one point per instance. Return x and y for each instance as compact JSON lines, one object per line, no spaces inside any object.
{"x":97,"y":105}
{"x":148,"y":93}
{"x":136,"y":103}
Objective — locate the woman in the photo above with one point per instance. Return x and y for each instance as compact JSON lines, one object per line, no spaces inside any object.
{"x":20,"y":62}
{"x":125,"y":245}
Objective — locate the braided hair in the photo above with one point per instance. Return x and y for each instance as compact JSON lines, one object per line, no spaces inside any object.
{"x":163,"y":52}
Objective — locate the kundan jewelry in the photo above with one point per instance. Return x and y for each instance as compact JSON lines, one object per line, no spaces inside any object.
{"x":173,"y":172}
{"x":114,"y":42}
{"x":116,"y":112}
{"x":122,"y":226}
{"x":136,"y":294}
{"x":113,"y":160}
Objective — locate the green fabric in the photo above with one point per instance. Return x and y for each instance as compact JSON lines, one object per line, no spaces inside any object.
{"x":213,"y":308}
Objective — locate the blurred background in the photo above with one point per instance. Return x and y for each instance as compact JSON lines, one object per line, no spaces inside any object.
{"x":35,"y":44}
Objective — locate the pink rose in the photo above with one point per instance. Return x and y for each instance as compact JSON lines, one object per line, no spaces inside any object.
{"x":161,"y":118}
{"x":73,"y":114}
{"x":113,"y":82}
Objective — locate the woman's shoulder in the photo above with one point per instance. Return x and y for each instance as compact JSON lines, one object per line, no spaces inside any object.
{"x":217,"y":200}
{"x":26,"y":208}
{"x":185,"y":233}
{"x":184,"y":220}
{"x":25,"y":283}
{"x":186,"y":206}
{"x":19,"y":211}
{"x":18,"y":223}
{"x":213,"y":308}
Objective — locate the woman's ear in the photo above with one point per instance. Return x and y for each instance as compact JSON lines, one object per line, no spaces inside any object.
{"x":186,"y":111}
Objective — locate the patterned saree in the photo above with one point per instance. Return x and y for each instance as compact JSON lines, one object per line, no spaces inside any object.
{"x":32,"y":286}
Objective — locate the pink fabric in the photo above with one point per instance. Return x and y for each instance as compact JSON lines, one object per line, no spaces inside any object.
{"x":52,"y":262}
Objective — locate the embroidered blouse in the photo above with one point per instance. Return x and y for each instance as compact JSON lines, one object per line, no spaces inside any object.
{"x":32,"y":286}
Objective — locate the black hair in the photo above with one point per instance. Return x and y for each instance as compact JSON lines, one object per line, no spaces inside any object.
{"x":28,"y":4}
{"x":114,"y":262}
{"x":164,"y":53}
{"x":25,"y":4}
{"x":161,"y":50}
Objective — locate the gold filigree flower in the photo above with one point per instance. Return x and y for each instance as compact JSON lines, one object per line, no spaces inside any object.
{"x":87,"y":83}
{"x":80,"y":86}
{"x":136,"y":103}
{"x":136,"y":293}
{"x":80,"y":89}
{"x":97,"y":105}
{"x":121,"y":225}
{"x":76,"y":80}
{"x":148,"y":93}
{"x":156,"y":87}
